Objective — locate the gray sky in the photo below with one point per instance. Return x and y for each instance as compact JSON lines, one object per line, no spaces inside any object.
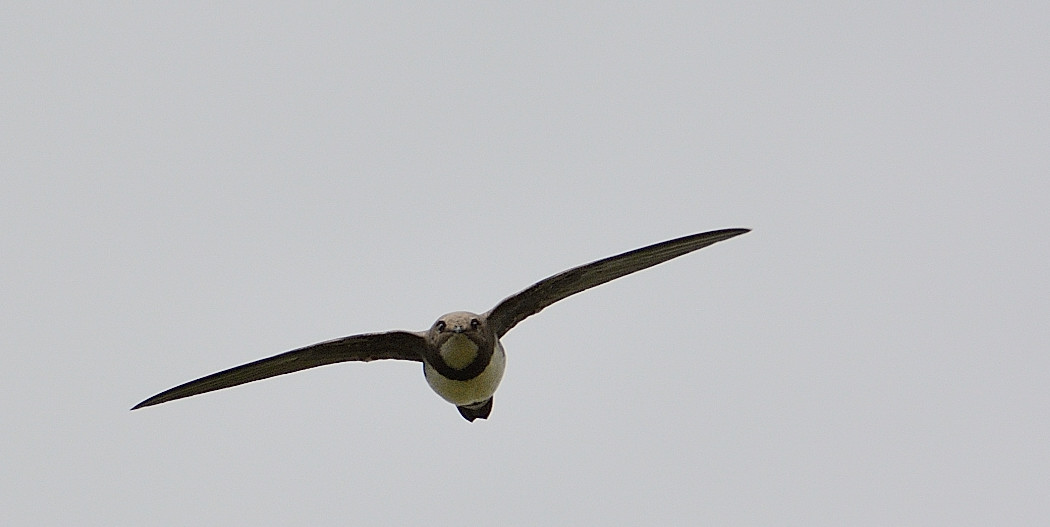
{"x":189,"y":188}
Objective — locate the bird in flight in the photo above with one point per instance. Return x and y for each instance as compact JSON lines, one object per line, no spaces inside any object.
{"x":462,"y":357}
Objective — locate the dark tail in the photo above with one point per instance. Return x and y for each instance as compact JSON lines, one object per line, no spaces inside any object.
{"x":474,"y":411}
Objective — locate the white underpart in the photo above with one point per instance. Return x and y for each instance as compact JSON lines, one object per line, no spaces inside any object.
{"x":475,"y":390}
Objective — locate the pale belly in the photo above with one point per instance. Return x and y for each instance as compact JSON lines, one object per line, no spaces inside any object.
{"x":475,"y":390}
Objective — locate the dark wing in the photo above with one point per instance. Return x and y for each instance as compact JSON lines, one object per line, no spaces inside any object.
{"x":516,"y":308}
{"x":402,"y":345}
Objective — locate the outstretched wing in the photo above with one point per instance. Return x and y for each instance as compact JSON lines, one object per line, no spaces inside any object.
{"x":401,"y":345}
{"x":517,"y":307}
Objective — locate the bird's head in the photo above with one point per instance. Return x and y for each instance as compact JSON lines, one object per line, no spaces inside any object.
{"x":459,"y":335}
{"x":470,"y":325}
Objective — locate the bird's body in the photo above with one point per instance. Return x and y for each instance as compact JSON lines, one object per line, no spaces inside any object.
{"x":470,"y":392}
{"x":463,"y":359}
{"x":464,"y":345}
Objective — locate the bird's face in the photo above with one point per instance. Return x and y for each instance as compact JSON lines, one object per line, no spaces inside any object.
{"x":458,"y":326}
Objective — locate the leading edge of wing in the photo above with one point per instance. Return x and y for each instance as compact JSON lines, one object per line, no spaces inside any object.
{"x":515,"y":308}
{"x":402,"y":345}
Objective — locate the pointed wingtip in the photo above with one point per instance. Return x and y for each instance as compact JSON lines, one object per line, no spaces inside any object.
{"x":734,"y":232}
{"x":148,"y":402}
{"x":722,"y":234}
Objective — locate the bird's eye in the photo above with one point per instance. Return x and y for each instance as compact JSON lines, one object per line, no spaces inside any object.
{"x":440,"y":325}
{"x":474,"y":323}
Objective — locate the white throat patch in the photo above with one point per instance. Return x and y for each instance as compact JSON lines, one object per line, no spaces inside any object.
{"x":458,"y":351}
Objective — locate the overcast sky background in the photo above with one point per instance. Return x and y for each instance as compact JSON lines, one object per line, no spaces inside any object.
{"x":188,"y":187}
